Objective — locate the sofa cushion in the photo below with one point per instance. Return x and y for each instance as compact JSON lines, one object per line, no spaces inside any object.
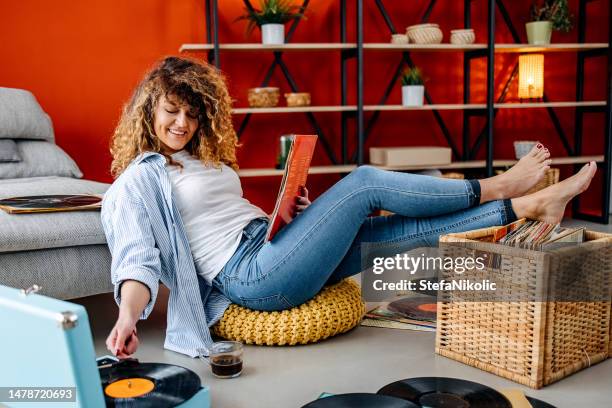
{"x":21,"y":117}
{"x":63,"y":273}
{"x":22,"y":232}
{"x":8,"y":151}
{"x":39,"y":159}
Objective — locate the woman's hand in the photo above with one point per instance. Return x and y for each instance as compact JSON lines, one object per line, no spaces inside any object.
{"x":122,"y":340}
{"x":301,"y":201}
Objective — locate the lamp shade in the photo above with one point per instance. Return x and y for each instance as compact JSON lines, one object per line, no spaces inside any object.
{"x":531,"y":76}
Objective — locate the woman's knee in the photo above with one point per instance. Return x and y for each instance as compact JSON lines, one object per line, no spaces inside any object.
{"x":366,"y":174}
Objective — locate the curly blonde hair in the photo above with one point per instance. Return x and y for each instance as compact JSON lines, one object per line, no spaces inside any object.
{"x":194,"y":83}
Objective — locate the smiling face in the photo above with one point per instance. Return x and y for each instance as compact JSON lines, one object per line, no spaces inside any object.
{"x":174,"y":123}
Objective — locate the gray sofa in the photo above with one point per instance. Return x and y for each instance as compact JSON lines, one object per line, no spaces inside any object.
{"x":65,"y":253}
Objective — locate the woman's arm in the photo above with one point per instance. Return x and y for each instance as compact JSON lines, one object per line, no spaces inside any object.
{"x":122,"y":340}
{"x":136,"y":268}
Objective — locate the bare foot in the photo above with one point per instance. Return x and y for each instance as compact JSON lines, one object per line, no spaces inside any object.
{"x":548,"y":205}
{"x":515,"y":182}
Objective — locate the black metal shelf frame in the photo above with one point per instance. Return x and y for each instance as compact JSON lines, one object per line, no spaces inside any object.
{"x":487,"y":132}
{"x":468,"y":150}
{"x":212,"y":35}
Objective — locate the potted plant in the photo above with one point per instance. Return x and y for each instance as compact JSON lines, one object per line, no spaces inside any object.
{"x":412,"y":87}
{"x":547,"y":16}
{"x":271,"y":18}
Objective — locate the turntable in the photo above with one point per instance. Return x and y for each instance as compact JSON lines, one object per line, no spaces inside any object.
{"x":47,"y":342}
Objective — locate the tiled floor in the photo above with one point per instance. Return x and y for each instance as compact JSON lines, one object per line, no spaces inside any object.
{"x":362,"y":360}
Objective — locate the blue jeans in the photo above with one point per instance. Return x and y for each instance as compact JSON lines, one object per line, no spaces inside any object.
{"x":322,"y":244}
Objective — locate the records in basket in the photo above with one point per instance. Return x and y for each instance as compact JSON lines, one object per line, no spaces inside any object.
{"x":446,"y":392}
{"x":360,"y":400}
{"x":130,"y":383}
{"x":51,"y":203}
{"x":537,"y":235}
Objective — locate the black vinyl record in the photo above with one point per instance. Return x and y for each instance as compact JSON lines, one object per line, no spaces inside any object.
{"x":418,"y":308}
{"x":536,"y":403}
{"x":172,"y":385}
{"x":360,"y":400}
{"x":50,"y":201}
{"x":441,"y":392}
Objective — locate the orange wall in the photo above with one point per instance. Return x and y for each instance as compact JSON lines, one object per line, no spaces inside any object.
{"x":82,"y":60}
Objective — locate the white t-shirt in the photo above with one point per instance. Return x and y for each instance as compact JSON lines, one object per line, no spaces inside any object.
{"x":213,"y":210}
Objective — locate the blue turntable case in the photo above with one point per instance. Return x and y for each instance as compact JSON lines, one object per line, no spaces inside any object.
{"x":45,"y":342}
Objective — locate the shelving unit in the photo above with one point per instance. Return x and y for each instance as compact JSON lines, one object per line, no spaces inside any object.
{"x":472,"y":164}
{"x":464,"y":157}
{"x":296,"y":109}
{"x":262,"y":47}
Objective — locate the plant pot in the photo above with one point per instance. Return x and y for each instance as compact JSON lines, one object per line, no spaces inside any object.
{"x":272,"y":34}
{"x":412,"y":95}
{"x":539,"y":32}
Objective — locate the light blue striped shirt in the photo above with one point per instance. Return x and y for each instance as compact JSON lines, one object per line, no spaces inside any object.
{"x":148,"y":243}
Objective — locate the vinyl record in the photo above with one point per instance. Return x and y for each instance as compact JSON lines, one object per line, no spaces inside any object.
{"x":536,"y":403}
{"x":360,"y":400}
{"x":50,"y":201}
{"x":133,"y":384}
{"x":446,"y":392}
{"x":418,"y":308}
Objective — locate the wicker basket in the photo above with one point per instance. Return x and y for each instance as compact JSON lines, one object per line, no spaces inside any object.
{"x":534,"y":343}
{"x":263,"y":97}
{"x":551,"y":177}
{"x":453,"y":175}
{"x":298,"y":99}
{"x":424,"y":34}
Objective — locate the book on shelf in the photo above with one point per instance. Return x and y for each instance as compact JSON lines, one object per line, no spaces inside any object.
{"x":51,"y":203}
{"x":298,"y":161}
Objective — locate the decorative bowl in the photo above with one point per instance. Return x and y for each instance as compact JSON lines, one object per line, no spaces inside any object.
{"x":462,"y":36}
{"x":263,"y":97}
{"x":298,"y":99}
{"x":399,"y":39}
{"x":424,"y":34}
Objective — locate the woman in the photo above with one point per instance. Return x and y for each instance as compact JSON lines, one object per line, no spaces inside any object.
{"x":176,"y":213}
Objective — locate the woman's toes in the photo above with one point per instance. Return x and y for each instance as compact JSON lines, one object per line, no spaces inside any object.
{"x":543,"y":154}
{"x":535,"y":150}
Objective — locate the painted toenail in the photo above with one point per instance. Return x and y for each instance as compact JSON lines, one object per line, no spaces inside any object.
{"x":539,"y":146}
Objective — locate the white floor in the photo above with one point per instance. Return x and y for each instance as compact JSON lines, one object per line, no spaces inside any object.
{"x":362,"y":360}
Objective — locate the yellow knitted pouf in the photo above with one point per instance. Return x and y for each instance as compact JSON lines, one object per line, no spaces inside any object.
{"x":336,"y":309}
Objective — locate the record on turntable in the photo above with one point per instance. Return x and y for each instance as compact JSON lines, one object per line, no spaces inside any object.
{"x":446,"y":392}
{"x":418,"y":308}
{"x":130,"y":383}
{"x":360,"y":400}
